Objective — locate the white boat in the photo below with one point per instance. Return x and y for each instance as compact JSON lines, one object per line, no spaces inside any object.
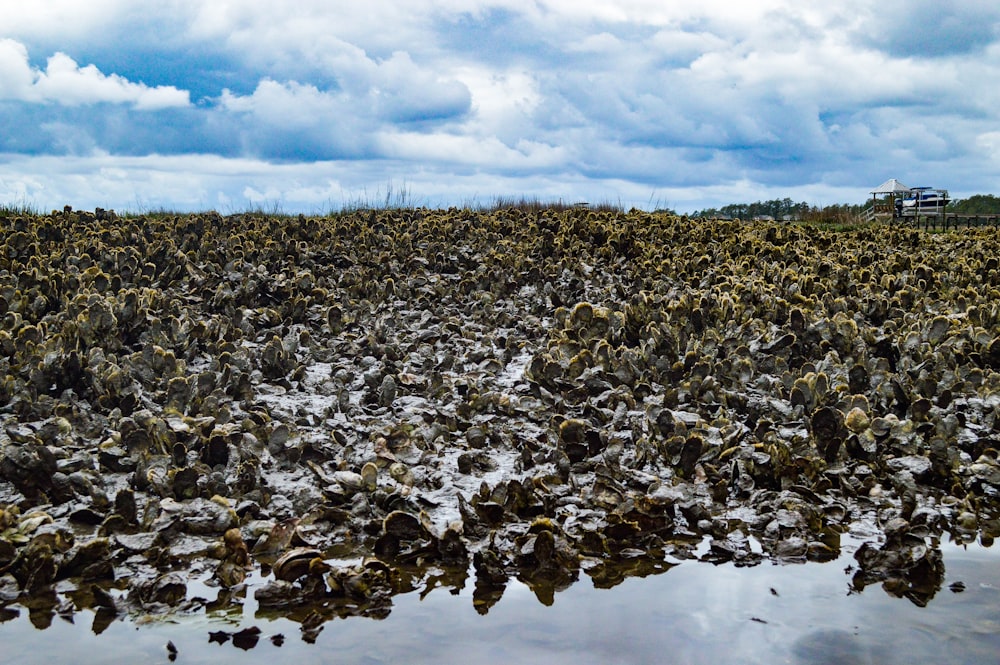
{"x":922,"y":201}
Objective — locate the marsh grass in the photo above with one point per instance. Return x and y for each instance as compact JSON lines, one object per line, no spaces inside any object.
{"x":153,"y":213}
{"x":18,"y":209}
{"x":534,"y":204}
{"x":394,"y":198}
{"x":838,"y":225}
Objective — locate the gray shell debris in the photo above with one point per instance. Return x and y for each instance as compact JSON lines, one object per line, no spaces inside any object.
{"x":367,"y":404}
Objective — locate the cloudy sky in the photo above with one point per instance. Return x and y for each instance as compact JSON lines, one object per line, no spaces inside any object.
{"x":305,"y":106}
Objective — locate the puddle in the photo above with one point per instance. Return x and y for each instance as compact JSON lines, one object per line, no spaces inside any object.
{"x":693,"y":612}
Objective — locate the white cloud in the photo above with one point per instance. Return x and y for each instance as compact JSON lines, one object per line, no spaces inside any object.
{"x":71,"y":138}
{"x":405,"y":91}
{"x":503,"y":103}
{"x":66,"y":83}
{"x":282,"y":118}
{"x":16,"y":77}
{"x":602,"y":42}
{"x":735,"y":100}
{"x":989,"y":143}
{"x":830,"y":72}
{"x":62,"y":18}
{"x":203,"y":182}
{"x":290,"y":104}
{"x":931,"y":28}
{"x":524,"y":155}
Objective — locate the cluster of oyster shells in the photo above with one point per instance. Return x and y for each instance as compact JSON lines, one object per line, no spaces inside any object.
{"x":383,"y":401}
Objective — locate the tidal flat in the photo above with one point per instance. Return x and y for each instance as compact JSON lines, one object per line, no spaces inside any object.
{"x":250,"y":426}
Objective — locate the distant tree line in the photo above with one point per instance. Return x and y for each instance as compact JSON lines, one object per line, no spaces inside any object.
{"x":979,"y":204}
{"x":781,"y":209}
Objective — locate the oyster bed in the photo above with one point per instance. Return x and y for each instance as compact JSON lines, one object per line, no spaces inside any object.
{"x":379,"y":402}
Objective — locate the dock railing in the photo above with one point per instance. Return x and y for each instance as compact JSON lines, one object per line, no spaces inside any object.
{"x":876,"y":211}
{"x":951,"y":221}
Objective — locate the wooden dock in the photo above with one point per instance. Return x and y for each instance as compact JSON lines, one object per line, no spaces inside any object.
{"x":949,"y":221}
{"x":934,"y":221}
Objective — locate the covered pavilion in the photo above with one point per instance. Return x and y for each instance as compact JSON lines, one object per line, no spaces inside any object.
{"x":888,"y":191}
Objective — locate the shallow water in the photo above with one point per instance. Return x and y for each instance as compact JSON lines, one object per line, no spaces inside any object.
{"x":694,"y":612}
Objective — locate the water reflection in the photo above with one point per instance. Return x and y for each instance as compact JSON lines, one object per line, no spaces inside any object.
{"x":804,"y":614}
{"x":836,"y":647}
{"x":907,"y":568}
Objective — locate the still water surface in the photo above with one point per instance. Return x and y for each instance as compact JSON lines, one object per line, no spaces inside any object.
{"x":693,"y":613}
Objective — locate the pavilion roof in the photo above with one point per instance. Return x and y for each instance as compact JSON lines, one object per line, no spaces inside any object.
{"x":891,"y":186}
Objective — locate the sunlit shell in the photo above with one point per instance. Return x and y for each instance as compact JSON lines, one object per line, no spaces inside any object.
{"x":856,"y":420}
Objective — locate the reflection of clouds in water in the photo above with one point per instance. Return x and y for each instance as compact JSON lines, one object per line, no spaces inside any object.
{"x":694,"y":614}
{"x":836,"y":647}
